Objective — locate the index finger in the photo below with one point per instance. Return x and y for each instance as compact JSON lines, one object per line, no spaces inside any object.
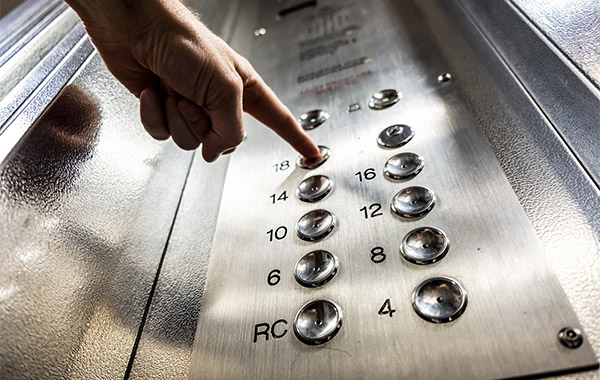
{"x":262,"y":103}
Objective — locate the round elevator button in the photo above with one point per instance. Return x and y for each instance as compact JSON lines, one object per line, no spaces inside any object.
{"x":424,"y":245}
{"x":403,"y":166}
{"x":413,"y":202}
{"x":305,"y":163}
{"x":312,"y":119}
{"x":314,"y":188}
{"x":395,"y":136}
{"x":384,"y":99}
{"x":315,"y":225}
{"x":316,"y":268}
{"x":439,"y":299}
{"x":318,"y":322}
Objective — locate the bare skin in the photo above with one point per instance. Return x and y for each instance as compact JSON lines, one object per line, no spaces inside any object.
{"x":192,"y":86}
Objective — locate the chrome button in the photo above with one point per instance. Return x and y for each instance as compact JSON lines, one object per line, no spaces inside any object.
{"x":403,"y":166}
{"x":312,"y":119}
{"x":439,"y":300}
{"x":305,"y":163}
{"x":314,"y":188}
{"x":384,"y":99}
{"x":317,"y":322}
{"x":395,"y":136}
{"x":316,"y":268}
{"x":424,"y":245}
{"x":413,"y":202}
{"x":315,"y":225}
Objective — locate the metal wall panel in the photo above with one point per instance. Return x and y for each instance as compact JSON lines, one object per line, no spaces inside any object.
{"x":87,"y":202}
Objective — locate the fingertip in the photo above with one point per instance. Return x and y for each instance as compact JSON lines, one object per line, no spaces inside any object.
{"x":186,"y":143}
{"x":209,"y":156}
{"x":152,"y":114}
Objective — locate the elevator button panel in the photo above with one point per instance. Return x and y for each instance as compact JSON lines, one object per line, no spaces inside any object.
{"x":422,"y":247}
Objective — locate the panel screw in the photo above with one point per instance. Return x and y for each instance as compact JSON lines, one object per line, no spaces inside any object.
{"x":260,"y":32}
{"x":445,"y":77}
{"x":570,"y":337}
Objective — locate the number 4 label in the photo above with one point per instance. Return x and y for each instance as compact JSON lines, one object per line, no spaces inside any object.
{"x":386,"y":308}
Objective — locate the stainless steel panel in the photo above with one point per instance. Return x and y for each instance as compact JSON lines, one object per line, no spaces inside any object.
{"x":516,"y":306}
{"x":86,"y":205}
{"x":166,"y":341}
{"x":29,"y":56}
{"x":15,"y":90}
{"x":574,"y":26}
{"x":569,"y":101}
{"x":165,"y":347}
{"x":31,"y":99}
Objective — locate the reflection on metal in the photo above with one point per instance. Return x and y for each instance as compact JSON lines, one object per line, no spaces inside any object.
{"x":318,"y":322}
{"x":17,"y":125}
{"x":25,"y":23}
{"x":395,"y":136}
{"x":439,"y":300}
{"x":403,"y":166}
{"x":260,"y":32}
{"x":314,"y":188}
{"x":443,"y":78}
{"x":315,"y":225}
{"x":312,"y":119}
{"x":413,"y":202}
{"x":48,"y":66}
{"x":424,"y":245}
{"x":384,"y":99}
{"x":316,"y":268}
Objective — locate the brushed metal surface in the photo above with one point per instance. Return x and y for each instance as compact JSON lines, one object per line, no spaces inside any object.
{"x":559,"y":198}
{"x":86,"y":203}
{"x":516,"y":306}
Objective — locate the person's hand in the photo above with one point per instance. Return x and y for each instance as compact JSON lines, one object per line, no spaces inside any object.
{"x":192,"y":86}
